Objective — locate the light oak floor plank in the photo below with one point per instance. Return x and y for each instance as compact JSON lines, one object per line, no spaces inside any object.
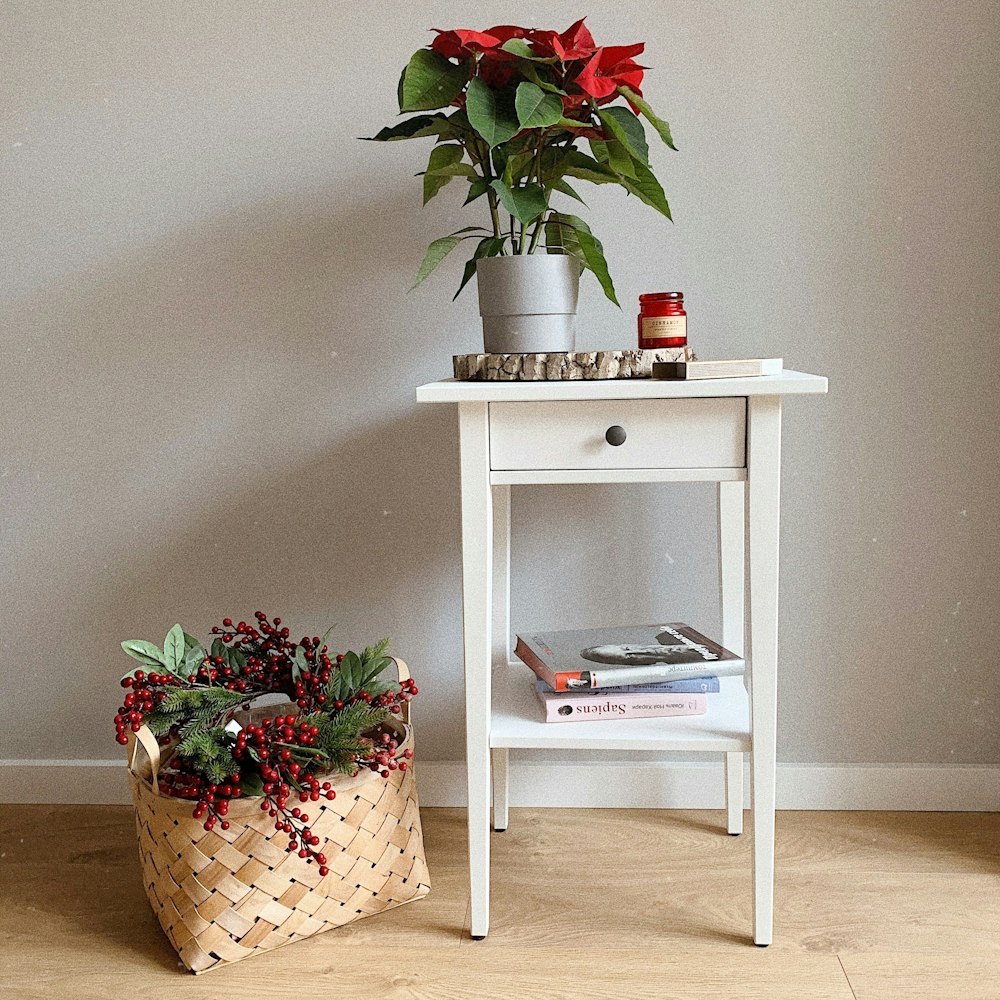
{"x":587,"y":903}
{"x":898,"y":976}
{"x":406,"y":973}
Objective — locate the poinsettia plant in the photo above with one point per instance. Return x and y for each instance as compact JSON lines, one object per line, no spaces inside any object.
{"x":188,"y":697}
{"x":527,"y":103}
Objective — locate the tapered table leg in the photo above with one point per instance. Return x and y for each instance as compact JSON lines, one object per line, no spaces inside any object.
{"x":501,"y":639}
{"x":763,"y":485}
{"x":477,"y":586}
{"x":732,"y":593}
{"x":501,"y":787}
{"x":734,"y":793}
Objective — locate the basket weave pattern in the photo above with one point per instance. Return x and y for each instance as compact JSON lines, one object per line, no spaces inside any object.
{"x":224,"y":895}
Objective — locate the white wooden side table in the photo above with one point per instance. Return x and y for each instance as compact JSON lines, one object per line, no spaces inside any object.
{"x":726,"y":431}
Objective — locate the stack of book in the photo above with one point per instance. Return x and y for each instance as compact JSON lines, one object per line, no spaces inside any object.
{"x":629,"y":672}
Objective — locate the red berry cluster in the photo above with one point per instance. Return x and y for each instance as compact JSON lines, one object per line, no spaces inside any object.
{"x":272,"y":742}
{"x":268,"y":651}
{"x":211,"y":798}
{"x":386,"y":756}
{"x":147,"y":691}
{"x":392,"y":700}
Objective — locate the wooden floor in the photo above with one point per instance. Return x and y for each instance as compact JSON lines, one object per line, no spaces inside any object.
{"x":586,"y":903}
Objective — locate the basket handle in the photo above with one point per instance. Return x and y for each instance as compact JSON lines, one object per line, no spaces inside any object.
{"x":403,"y":672}
{"x":148,"y":741}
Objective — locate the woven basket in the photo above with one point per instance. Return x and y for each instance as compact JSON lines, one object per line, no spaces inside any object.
{"x":224,"y":895}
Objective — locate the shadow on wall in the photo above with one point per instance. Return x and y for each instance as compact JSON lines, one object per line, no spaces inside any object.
{"x":220,"y":432}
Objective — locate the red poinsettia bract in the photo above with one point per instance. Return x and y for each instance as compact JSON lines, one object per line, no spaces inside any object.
{"x":461,"y":43}
{"x":603,"y":69}
{"x":610,"y":67}
{"x":576,"y":42}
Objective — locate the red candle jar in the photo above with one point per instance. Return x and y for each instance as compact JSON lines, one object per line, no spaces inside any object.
{"x":662,"y":320}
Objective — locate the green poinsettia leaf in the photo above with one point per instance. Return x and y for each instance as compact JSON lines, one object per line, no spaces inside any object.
{"x":593,"y":254}
{"x":525,"y":203}
{"x":491,"y":113}
{"x":662,"y":127}
{"x":531,"y":72}
{"x":440,"y":249}
{"x":555,"y":235}
{"x":519,"y":47}
{"x":560,"y":184}
{"x":574,"y":124}
{"x":570,"y":234}
{"x":412,"y":128}
{"x":492,"y":246}
{"x":430,"y":81}
{"x":628,"y":130}
{"x":477,"y":189}
{"x":399,"y":89}
{"x":647,"y":189}
{"x":436,"y":253}
{"x":577,"y":164}
{"x":450,"y":170}
{"x":612,"y":154}
{"x":535,"y":108}
{"x":441,"y":156}
{"x":515,"y":167}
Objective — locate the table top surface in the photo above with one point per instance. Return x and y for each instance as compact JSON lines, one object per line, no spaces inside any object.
{"x":450,"y":390}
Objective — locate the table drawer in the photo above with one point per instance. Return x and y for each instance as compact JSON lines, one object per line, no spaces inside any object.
{"x":658,"y":434}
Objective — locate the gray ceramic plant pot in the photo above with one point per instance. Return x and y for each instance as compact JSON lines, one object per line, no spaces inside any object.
{"x":528,"y":303}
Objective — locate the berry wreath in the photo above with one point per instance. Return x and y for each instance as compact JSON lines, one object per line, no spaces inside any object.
{"x":189,"y":697}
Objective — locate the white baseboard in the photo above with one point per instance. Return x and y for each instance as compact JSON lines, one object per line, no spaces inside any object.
{"x":685,"y":785}
{"x":594,"y":785}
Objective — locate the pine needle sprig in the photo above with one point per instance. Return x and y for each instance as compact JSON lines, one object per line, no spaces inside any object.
{"x":210,"y":751}
{"x":375,"y":652}
{"x":203,"y":701}
{"x":161,"y":722}
{"x":189,"y":709}
{"x":341,"y":738}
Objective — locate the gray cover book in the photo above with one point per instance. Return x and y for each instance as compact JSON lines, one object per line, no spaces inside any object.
{"x":589,"y":659}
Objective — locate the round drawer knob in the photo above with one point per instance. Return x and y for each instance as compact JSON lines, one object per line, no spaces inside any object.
{"x":615,"y":436}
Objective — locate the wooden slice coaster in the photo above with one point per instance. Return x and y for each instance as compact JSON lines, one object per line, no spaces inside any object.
{"x":564,"y":366}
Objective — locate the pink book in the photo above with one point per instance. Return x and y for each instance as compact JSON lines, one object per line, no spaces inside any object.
{"x":597,"y":705}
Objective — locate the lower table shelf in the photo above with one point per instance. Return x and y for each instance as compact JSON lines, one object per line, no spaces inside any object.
{"x":517,"y":722}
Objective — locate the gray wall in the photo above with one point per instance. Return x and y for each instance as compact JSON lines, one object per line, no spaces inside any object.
{"x":209,"y":352}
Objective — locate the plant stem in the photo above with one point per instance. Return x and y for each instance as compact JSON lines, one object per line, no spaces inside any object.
{"x":537,"y":163}
{"x":536,"y":234}
{"x":494,"y":213}
{"x":483,"y":160}
{"x":513,"y":237}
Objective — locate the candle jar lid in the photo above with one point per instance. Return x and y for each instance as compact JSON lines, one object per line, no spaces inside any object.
{"x":662,"y":297}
